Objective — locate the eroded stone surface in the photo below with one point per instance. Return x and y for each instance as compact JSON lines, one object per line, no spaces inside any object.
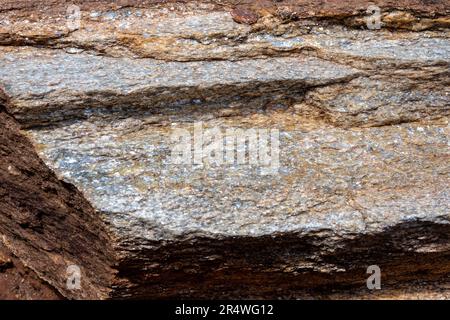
{"x":362,"y":101}
{"x":335,"y":179}
{"x":45,"y":226}
{"x":35,"y":81}
{"x":200,"y":31}
{"x":362,"y":117}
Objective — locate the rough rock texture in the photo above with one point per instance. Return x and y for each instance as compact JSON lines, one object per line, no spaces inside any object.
{"x":45,"y":222}
{"x":19,"y":282}
{"x":87,"y":121}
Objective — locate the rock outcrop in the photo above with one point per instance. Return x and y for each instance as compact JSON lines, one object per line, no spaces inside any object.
{"x":356,"y":121}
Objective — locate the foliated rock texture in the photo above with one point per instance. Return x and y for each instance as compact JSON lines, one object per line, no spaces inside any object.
{"x":46,"y":223}
{"x":106,"y":83}
{"x":355,"y":120}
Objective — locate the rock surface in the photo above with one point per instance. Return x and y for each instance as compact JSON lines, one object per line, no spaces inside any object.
{"x":45,"y":222}
{"x":358,"y":119}
{"x":19,"y":282}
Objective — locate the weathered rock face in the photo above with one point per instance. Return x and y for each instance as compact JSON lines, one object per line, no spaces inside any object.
{"x":354,"y":121}
{"x":19,"y":282}
{"x":46,"y":222}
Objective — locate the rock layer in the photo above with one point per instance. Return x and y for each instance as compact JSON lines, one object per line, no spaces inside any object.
{"x":359,"y":118}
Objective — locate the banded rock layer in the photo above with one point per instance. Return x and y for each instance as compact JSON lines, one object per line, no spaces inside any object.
{"x":358,"y":117}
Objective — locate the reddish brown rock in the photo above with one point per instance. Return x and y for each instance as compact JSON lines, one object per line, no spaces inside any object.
{"x":364,"y":182}
{"x":19,"y":282}
{"x":244,"y":15}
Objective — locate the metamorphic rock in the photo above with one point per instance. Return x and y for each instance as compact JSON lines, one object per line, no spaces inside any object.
{"x":357,"y":94}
